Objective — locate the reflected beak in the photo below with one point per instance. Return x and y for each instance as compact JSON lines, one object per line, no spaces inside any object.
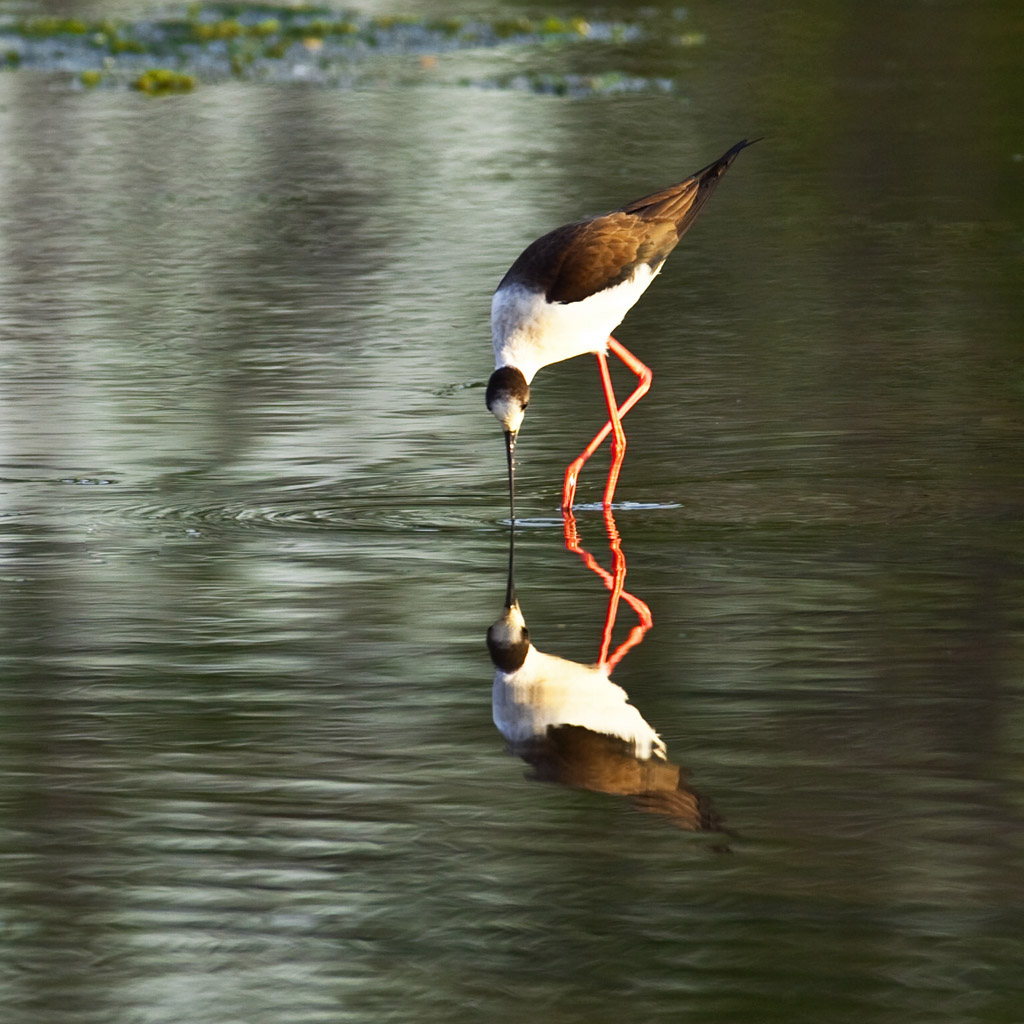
{"x":511,"y":603}
{"x":510,"y":448}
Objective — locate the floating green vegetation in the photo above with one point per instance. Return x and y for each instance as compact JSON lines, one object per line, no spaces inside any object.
{"x":219,"y":22}
{"x":506,"y":28}
{"x":158,"y":81}
{"x":107,"y":35}
{"x":311,"y":42}
{"x":116,"y":44}
{"x":40,"y":27}
{"x":320,"y":28}
{"x":232,"y":28}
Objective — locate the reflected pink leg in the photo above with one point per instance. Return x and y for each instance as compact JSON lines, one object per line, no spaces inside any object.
{"x":615,"y":582}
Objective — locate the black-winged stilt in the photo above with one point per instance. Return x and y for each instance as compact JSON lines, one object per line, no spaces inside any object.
{"x":570,"y":289}
{"x":571,"y":723}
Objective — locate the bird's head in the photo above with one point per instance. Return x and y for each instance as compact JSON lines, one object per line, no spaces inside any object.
{"x":508,"y":395}
{"x":508,"y":639}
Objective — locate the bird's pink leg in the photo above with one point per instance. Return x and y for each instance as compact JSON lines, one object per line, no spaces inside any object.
{"x":615,"y":414}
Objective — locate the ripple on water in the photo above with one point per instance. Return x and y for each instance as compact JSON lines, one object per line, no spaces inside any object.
{"x":369,"y":516}
{"x":101,"y":496}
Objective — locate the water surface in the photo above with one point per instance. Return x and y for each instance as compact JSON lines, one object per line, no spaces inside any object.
{"x":253,"y":531}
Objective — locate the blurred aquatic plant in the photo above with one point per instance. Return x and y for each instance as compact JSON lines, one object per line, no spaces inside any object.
{"x":40,"y":27}
{"x":215,"y":41}
{"x":164,"y":80}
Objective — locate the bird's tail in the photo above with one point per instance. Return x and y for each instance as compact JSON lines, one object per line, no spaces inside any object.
{"x":682,"y":202}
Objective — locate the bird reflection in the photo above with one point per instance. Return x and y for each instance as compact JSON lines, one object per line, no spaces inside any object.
{"x":570,"y":722}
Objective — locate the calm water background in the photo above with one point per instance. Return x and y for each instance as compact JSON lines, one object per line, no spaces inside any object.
{"x":252,"y":533}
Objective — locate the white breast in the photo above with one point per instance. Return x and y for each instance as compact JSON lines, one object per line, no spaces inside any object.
{"x":529,"y":332}
{"x":550,"y":691}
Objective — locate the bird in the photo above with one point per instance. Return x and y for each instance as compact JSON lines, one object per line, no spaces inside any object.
{"x":566,"y":293}
{"x":573,"y":725}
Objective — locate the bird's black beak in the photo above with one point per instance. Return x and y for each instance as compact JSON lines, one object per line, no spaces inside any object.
{"x":510,"y":448}
{"x":510,"y":589}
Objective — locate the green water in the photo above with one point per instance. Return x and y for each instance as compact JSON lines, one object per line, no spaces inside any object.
{"x":253,"y":531}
